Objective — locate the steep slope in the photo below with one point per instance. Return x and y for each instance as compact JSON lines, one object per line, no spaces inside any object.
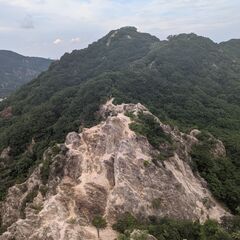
{"x":16,"y":70}
{"x":188,"y":80}
{"x":232,"y":47}
{"x":114,"y":52}
{"x":49,"y":107}
{"x":108,"y":170}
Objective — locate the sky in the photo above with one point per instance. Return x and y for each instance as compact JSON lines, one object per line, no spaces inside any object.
{"x":49,"y":28}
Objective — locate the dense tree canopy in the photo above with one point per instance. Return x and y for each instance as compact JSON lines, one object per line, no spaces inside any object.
{"x":169,"y":229}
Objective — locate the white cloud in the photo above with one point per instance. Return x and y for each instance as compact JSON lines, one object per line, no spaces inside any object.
{"x":23,"y":3}
{"x":91,"y":19}
{"x":75,"y":40}
{"x":151,"y":14}
{"x":6,"y":29}
{"x":57,"y":41}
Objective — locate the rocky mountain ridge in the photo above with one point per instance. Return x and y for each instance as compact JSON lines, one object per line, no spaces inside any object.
{"x":108,"y":170}
{"x":186,"y":80}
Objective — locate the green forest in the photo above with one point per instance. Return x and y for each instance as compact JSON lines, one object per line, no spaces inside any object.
{"x":168,"y":229}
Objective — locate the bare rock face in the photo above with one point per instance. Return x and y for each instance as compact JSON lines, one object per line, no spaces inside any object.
{"x":103,"y":171}
{"x":5,"y":153}
{"x":4,"y":156}
{"x":6,"y":113}
{"x":219,"y":149}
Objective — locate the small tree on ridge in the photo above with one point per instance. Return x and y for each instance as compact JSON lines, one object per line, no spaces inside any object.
{"x":100,"y":223}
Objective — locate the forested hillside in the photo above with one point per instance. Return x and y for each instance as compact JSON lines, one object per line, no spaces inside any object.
{"x":15,"y":70}
{"x":232,"y":47}
{"x":187,"y":80}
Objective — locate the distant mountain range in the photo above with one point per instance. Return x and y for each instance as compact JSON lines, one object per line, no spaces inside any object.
{"x":16,"y":70}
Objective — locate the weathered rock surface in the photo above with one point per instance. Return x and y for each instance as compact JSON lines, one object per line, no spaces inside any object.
{"x":102,"y":171}
{"x":5,"y":153}
{"x":6,"y":113}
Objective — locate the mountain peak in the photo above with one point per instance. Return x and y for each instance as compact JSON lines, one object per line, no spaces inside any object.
{"x":128,"y":28}
{"x":124,"y":30}
{"x":190,"y":37}
{"x":126,"y":34}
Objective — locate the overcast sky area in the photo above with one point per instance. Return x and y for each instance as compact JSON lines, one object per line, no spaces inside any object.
{"x":49,"y":28}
